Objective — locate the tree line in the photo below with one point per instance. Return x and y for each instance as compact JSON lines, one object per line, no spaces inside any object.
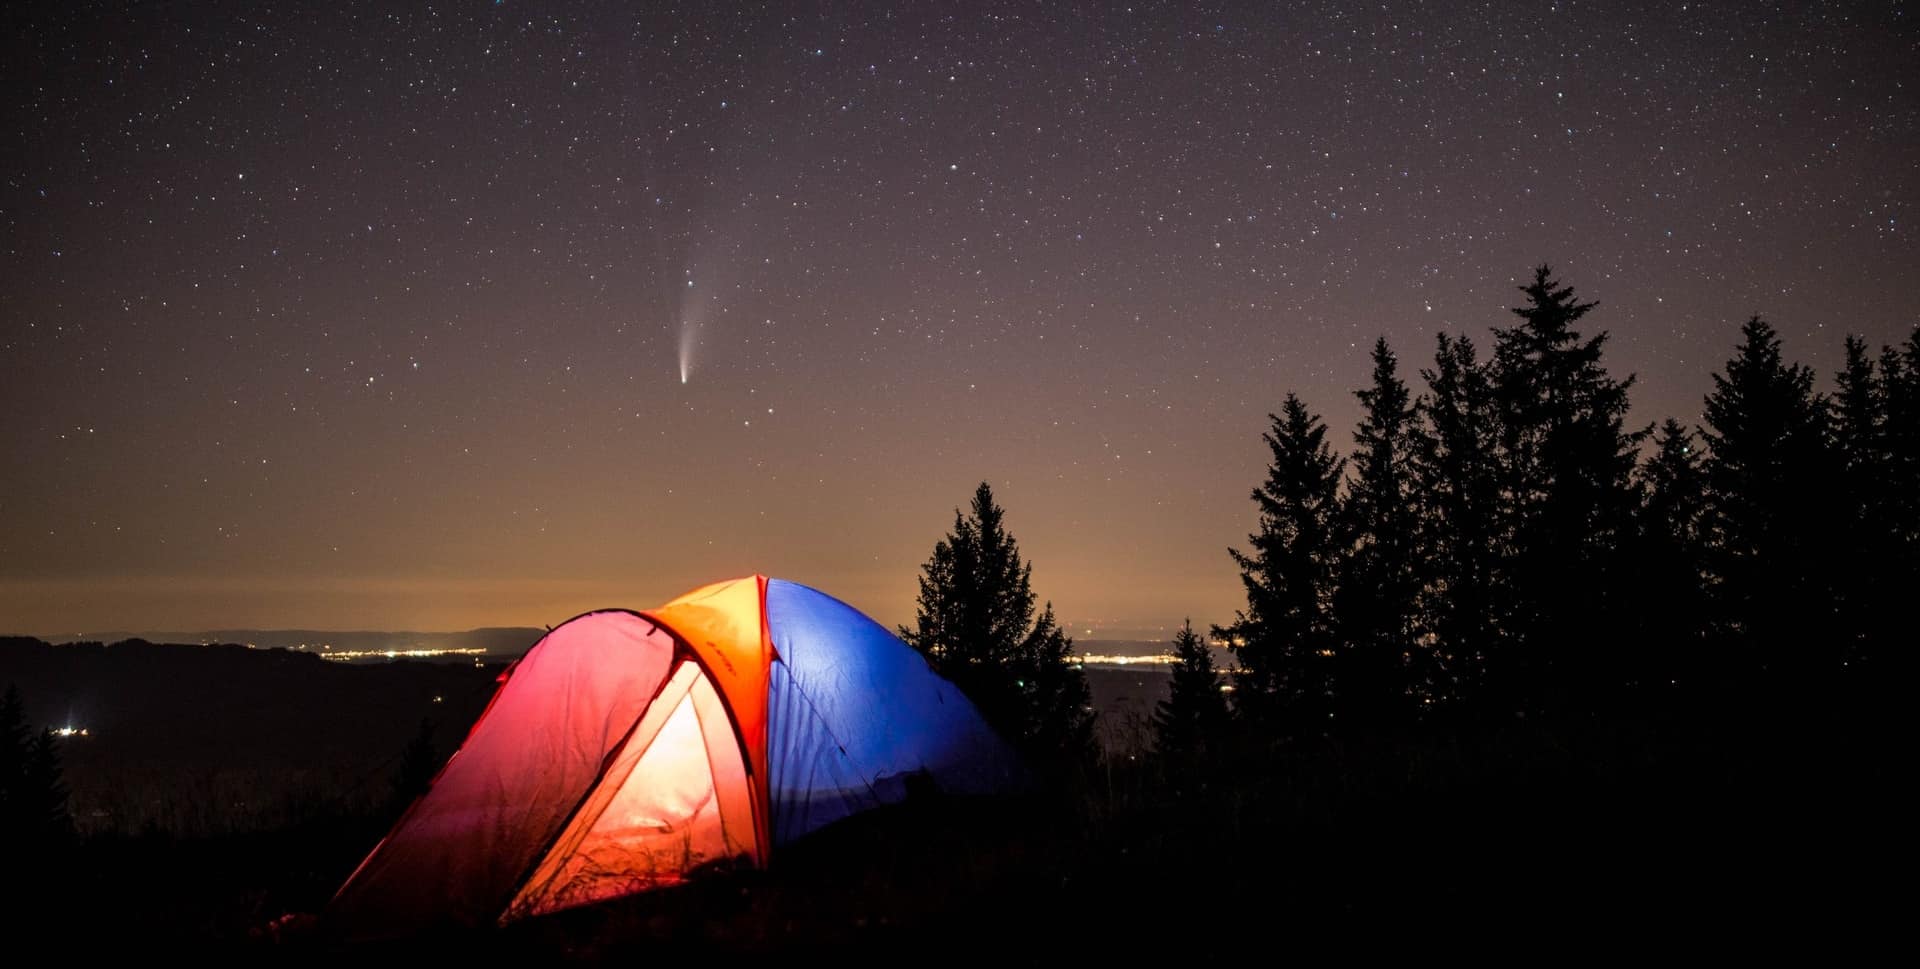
{"x":33,"y":791}
{"x":1500,"y":543}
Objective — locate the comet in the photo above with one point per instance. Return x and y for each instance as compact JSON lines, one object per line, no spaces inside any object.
{"x":687,"y":331}
{"x":689,"y":339}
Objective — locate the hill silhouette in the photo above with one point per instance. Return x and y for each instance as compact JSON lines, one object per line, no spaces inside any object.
{"x":197,"y":740}
{"x":494,"y":641}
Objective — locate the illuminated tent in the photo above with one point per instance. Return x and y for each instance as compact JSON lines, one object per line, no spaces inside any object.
{"x":629,"y":750}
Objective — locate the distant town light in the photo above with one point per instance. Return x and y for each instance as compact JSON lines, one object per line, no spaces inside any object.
{"x":1154,"y":659}
{"x":347,"y":655}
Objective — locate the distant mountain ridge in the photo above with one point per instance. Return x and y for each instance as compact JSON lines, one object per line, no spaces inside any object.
{"x":492,"y":640}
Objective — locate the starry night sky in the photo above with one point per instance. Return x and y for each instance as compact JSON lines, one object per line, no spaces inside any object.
{"x":353,"y":316}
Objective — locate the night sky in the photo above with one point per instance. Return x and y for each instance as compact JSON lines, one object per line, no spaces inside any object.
{"x":394,"y":316}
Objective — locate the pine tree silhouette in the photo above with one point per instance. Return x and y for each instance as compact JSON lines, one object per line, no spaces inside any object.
{"x":1669,"y":570}
{"x":1900,"y":376}
{"x":1056,"y":699}
{"x":975,"y":622}
{"x":1284,"y":639}
{"x":1191,"y":722}
{"x":1862,"y":440}
{"x":1460,"y":614}
{"x":1381,"y":579}
{"x":15,"y":752}
{"x":33,"y":791}
{"x":1769,"y":477}
{"x":46,"y":812}
{"x":1566,"y":470}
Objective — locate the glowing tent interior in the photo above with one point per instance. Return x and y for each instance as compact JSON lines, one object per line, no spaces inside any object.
{"x":627,"y":750}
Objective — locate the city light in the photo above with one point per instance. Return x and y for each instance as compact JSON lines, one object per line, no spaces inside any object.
{"x":347,"y":655}
{"x":1153,"y":659}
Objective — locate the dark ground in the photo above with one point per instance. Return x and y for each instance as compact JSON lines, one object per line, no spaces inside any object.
{"x":1730,"y":826}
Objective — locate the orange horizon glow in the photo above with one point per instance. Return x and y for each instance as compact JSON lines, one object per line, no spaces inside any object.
{"x":75,"y":607}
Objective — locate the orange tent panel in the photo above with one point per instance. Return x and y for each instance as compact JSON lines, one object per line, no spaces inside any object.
{"x":726,"y":625}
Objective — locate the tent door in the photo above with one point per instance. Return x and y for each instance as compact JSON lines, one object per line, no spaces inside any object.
{"x":675,"y":798}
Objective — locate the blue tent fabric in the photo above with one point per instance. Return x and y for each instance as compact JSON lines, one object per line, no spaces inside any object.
{"x":855,"y":715}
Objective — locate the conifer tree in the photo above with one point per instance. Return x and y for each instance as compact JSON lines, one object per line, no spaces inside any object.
{"x":1566,"y":469}
{"x":1284,"y":640}
{"x":15,"y":752}
{"x":1861,"y":441}
{"x":1669,"y":572}
{"x":45,"y":809}
{"x":1191,"y":722}
{"x":33,"y":791}
{"x":1456,"y":487}
{"x":1380,"y":582}
{"x":1860,"y":412}
{"x":1900,"y":376}
{"x":1056,"y":702}
{"x":1772,"y":510}
{"x":976,"y":624}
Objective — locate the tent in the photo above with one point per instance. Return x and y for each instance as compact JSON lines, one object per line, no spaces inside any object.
{"x":630,"y":750}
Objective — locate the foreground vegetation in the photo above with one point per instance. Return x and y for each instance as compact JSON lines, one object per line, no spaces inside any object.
{"x":1719,"y":823}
